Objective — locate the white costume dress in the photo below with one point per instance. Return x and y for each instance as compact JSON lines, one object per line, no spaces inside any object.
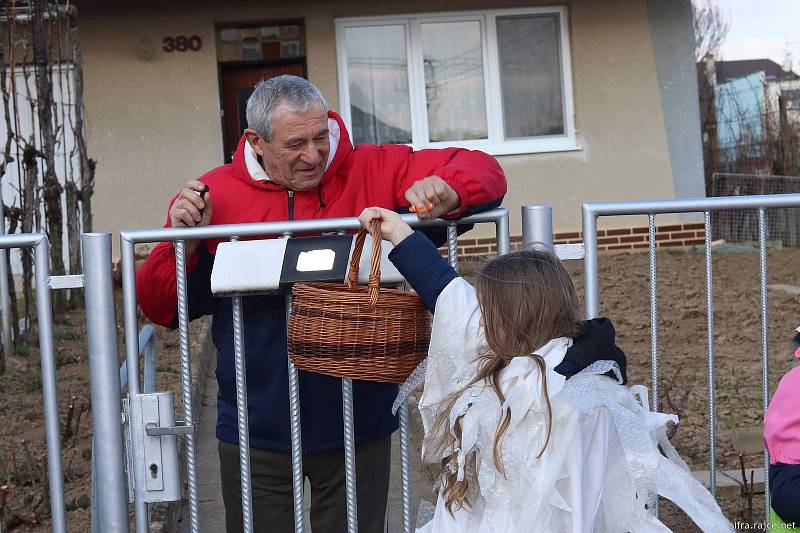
{"x":601,"y":465}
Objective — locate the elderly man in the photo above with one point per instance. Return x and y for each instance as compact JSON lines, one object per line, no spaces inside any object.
{"x":295,"y":161}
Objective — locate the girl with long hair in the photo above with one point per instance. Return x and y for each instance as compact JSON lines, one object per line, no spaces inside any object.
{"x":524,"y":408}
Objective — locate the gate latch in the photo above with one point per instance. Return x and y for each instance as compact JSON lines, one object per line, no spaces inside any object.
{"x":180,"y":428}
{"x":155,"y":446}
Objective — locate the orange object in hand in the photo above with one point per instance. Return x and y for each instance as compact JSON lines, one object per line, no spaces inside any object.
{"x":424,"y":209}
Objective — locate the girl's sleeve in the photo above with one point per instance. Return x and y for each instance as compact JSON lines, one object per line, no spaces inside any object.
{"x":419,"y":261}
{"x":453,"y":351}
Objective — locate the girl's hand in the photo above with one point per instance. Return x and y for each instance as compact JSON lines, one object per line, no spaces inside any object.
{"x":393,"y":228}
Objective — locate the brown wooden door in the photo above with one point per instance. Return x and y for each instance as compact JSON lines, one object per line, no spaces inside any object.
{"x":237,"y":82}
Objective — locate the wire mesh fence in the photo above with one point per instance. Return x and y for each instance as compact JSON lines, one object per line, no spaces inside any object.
{"x":741,"y":226}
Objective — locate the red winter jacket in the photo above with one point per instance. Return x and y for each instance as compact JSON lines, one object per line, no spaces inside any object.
{"x":367,"y":175}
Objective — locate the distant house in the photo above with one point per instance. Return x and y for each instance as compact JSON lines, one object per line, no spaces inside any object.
{"x":755,"y":101}
{"x":579,"y":100}
{"x":725,"y":71}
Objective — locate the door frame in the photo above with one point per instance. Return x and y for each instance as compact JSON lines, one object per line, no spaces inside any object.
{"x":222,"y":67}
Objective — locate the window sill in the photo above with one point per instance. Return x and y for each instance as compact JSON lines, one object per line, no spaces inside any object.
{"x":522,"y":147}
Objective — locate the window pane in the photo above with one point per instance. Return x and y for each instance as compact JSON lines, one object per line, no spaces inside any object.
{"x":377,"y":71}
{"x":454,"y":87}
{"x":530,"y":75}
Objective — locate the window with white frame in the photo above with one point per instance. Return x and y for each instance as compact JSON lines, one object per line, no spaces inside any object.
{"x":496,"y":80}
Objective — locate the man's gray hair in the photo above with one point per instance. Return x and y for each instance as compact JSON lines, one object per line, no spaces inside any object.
{"x":296,"y":94}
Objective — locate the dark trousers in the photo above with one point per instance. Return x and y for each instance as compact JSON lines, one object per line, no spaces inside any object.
{"x":271,"y":488}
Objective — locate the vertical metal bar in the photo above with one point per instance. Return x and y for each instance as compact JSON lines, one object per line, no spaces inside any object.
{"x":241,"y":411}
{"x":108,"y":479}
{"x":501,"y":234}
{"x":298,"y":479}
{"x":762,"y":261}
{"x":44,"y":313}
{"x":405,"y":466}
{"x":591,"y":284}
{"x":186,"y":382}
{"x":5,"y":299}
{"x":654,"y":377}
{"x":537,"y":225}
{"x":452,"y":246}
{"x":349,"y":456}
{"x":127,"y":251}
{"x":654,"y":362}
{"x":712,"y":408}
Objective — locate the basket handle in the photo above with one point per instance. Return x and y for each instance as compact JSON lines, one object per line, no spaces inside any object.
{"x":374,"y":283}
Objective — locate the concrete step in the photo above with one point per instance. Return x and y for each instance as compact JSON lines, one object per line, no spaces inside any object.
{"x":730,"y":481}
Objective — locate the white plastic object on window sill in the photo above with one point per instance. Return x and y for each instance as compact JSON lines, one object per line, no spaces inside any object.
{"x":521,"y":147}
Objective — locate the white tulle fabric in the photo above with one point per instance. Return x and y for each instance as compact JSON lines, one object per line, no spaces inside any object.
{"x":601,"y":465}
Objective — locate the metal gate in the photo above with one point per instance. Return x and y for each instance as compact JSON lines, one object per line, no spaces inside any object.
{"x":41,"y":249}
{"x":150,"y":417}
{"x":707,"y":206}
{"x":101,"y":390}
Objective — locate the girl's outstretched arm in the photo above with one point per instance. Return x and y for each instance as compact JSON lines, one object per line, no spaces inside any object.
{"x":416,"y":257}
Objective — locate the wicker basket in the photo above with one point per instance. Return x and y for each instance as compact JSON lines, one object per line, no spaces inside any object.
{"x":364,"y":333}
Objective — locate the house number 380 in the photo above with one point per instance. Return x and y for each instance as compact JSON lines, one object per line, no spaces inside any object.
{"x":181,"y":43}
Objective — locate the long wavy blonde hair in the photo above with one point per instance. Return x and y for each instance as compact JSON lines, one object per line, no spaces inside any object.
{"x":526,"y":298}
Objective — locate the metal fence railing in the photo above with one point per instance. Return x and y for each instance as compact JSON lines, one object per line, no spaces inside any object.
{"x":128,"y":240}
{"x":110,"y":478}
{"x":707,"y":206}
{"x":41,"y":249}
{"x":45,"y":283}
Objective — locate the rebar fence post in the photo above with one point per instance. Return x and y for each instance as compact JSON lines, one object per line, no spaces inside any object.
{"x":298,"y":479}
{"x":537,"y":225}
{"x":101,"y":328}
{"x":452,"y":246}
{"x":654,"y":362}
{"x":405,"y":465}
{"x":349,"y":456}
{"x":243,"y":423}
{"x":186,"y":384}
{"x":762,"y":270}
{"x":710,"y":360}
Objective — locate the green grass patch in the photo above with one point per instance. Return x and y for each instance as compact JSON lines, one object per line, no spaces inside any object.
{"x":32,"y":384}
{"x":24,"y":350}
{"x":66,"y":335}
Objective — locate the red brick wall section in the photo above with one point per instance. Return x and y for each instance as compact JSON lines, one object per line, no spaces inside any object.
{"x":621,"y":239}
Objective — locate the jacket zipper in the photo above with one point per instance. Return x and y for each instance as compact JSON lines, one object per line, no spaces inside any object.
{"x":290,"y":193}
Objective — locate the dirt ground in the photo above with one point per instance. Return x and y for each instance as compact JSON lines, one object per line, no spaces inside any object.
{"x":624,"y":298}
{"x":23,"y":463}
{"x":682,"y":330}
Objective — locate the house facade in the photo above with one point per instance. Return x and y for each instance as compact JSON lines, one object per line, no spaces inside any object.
{"x":578,"y":100}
